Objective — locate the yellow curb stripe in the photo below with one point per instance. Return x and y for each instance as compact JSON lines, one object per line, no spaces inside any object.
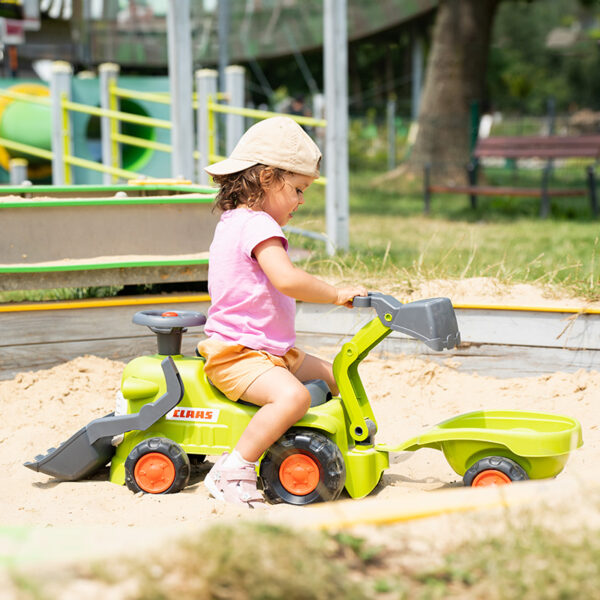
{"x":103,"y":302}
{"x":548,"y":309}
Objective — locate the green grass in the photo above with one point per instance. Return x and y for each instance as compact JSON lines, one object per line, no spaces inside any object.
{"x":391,"y":240}
{"x":393,"y":245}
{"x":59,"y":294}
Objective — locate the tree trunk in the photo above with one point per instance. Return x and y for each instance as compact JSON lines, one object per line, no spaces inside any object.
{"x":454,"y":79}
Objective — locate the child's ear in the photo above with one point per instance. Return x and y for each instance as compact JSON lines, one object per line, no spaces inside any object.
{"x":267,"y":178}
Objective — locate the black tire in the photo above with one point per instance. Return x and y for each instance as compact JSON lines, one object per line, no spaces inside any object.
{"x":171,"y":453}
{"x":513,"y":470}
{"x":320,"y":453}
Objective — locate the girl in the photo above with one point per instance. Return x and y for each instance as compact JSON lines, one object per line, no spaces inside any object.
{"x":250,"y":352}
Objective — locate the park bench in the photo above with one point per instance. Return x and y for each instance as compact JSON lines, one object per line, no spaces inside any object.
{"x":546,"y":148}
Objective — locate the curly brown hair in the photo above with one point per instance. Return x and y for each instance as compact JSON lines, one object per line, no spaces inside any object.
{"x":245,"y":187}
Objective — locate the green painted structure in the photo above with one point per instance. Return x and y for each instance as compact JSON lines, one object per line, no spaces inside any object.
{"x":134,"y":33}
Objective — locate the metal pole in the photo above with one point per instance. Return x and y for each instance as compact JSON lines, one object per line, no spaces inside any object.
{"x":417,"y":73}
{"x":223,"y":34}
{"x":336,"y":110}
{"x":60,"y":85}
{"x":391,"y":127}
{"x":109,"y":73}
{"x":179,"y":44}
{"x":319,"y":132}
{"x":17,"y":168}
{"x":206,"y":87}
{"x":234,"y":124}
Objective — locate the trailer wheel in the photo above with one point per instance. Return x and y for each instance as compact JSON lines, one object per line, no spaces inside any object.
{"x":157,"y":466}
{"x":494,"y":470}
{"x":303,"y":467}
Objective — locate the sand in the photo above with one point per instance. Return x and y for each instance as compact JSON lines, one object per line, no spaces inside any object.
{"x":409,"y":395}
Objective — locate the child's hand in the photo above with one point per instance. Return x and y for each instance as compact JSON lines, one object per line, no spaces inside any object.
{"x":345,"y":295}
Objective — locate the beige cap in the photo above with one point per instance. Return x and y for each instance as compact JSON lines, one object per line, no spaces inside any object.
{"x":276,"y":142}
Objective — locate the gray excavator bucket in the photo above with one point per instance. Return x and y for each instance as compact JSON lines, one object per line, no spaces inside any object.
{"x":432,"y":321}
{"x":91,"y":447}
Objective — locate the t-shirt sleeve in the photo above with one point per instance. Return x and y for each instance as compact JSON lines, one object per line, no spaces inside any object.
{"x":258,"y":229}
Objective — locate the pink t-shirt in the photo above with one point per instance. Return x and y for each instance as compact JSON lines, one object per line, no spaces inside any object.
{"x":245,"y":306}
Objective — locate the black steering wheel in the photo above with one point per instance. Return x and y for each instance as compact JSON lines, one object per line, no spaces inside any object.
{"x":161,"y":321}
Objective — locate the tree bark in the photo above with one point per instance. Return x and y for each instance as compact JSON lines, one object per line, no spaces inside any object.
{"x":455,"y":77}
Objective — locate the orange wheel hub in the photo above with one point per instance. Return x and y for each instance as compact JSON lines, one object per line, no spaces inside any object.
{"x":154,"y":473}
{"x":491,"y":477}
{"x":299,"y":474}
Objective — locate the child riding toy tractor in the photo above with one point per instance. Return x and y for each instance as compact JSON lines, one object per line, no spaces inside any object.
{"x":174,"y":416}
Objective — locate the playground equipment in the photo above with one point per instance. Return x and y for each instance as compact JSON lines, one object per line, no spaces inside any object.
{"x":26,"y":123}
{"x":176,"y":419}
{"x":103,"y":129}
{"x":29,"y":130}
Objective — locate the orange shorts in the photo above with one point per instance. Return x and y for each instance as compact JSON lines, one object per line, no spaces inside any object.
{"x":233,"y":367}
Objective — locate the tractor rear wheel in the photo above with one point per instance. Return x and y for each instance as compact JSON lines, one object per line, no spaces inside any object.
{"x":303,"y":467}
{"x":157,"y":466}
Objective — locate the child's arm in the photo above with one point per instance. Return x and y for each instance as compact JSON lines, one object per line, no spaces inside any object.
{"x":294,"y":282}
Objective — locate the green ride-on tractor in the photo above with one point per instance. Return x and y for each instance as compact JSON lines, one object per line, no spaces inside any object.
{"x":174,"y":417}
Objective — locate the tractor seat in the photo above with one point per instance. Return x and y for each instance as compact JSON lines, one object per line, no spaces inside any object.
{"x":318,"y":389}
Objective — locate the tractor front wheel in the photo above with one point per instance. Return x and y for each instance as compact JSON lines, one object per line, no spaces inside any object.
{"x":157,"y":466}
{"x":494,"y":470}
{"x":303,"y":467}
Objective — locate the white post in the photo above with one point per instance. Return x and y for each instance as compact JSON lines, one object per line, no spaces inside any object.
{"x":391,"y":131}
{"x":417,"y":74}
{"x":206,"y":87}
{"x":319,"y":113}
{"x":223,"y":24}
{"x":336,"y":111}
{"x":234,"y":124}
{"x":179,"y":44}
{"x":111,"y":154}
{"x":60,"y":85}
{"x":17,"y":168}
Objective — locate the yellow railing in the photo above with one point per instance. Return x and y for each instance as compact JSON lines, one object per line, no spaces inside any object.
{"x":142,"y":143}
{"x":254,"y":113}
{"x":44,"y":100}
{"x":115,"y":116}
{"x":26,"y":149}
{"x":95,"y":166}
{"x":113,"y":105}
{"x":158,"y":97}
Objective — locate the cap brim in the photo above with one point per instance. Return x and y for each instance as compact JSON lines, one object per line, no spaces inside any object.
{"x":229,"y":165}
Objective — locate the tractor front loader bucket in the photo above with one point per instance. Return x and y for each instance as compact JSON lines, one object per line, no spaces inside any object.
{"x":91,"y":447}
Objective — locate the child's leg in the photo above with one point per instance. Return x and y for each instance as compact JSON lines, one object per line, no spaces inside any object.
{"x":313,"y":367}
{"x":283,"y":401}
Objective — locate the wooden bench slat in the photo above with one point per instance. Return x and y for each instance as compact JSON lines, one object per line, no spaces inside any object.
{"x":527,"y":140}
{"x":538,"y":147}
{"x":544,"y":153}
